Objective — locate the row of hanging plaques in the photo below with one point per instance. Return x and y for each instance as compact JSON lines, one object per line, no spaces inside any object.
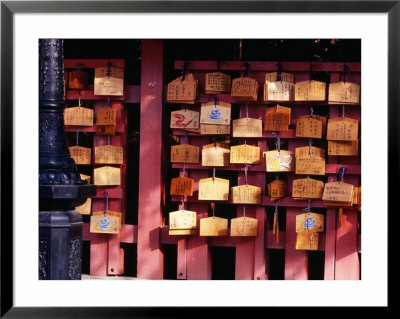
{"x":217,"y":189}
{"x":108,"y":80}
{"x":278,"y":87}
{"x":308,"y":160}
{"x":215,"y":118}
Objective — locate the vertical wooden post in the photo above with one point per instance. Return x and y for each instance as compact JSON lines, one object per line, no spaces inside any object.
{"x":198,"y":253}
{"x":296,"y":261}
{"x":150,"y":257}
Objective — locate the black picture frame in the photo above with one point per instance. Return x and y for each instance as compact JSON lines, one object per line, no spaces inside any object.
{"x":9,"y":8}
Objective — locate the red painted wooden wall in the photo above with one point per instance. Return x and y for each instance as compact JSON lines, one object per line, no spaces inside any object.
{"x":341,"y":245}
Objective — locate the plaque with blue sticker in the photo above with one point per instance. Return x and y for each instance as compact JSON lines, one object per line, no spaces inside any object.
{"x":108,"y":222}
{"x":215,"y":113}
{"x":309,"y":222}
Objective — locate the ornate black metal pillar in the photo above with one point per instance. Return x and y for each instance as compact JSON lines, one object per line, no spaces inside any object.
{"x":60,"y":186}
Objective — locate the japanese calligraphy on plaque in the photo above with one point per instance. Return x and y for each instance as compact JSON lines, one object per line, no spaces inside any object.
{"x":278,"y":91}
{"x":273,"y":77}
{"x":345,"y":129}
{"x":343,"y":148}
{"x":247,"y":127}
{"x":307,"y":241}
{"x":246,"y":194}
{"x":310,"y":91}
{"x":215,"y":129}
{"x":81,"y":155}
{"x":217,"y":83}
{"x":310,"y":161}
{"x":79,"y":116}
{"x":185,"y":153}
{"x":277,"y":118}
{"x":279,"y":161}
{"x":109,"y":81}
{"x":307,"y":188}
{"x":309,"y":127}
{"x":213,"y":189}
{"x":182,"y":186}
{"x":106,"y":120}
{"x":107,"y":175}
{"x":77,"y":80}
{"x":182,"y":91}
{"x":184,"y":119}
{"x":182,"y":220}
{"x":108,"y":154}
{"x":310,"y":222}
{"x":341,"y":92}
{"x":111,"y":213}
{"x":338,"y":192}
{"x":277,"y":189}
{"x":211,"y":113}
{"x":244,"y":89}
{"x":245,"y":154}
{"x":104,"y":223}
{"x":213,"y":226}
{"x":215,"y":156}
{"x":86,"y":208}
{"x":244,"y":226}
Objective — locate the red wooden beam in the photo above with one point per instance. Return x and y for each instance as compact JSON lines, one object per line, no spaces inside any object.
{"x":269,"y":66}
{"x":131,"y":95}
{"x":150,"y":257}
{"x":92,"y":63}
{"x":329,"y":168}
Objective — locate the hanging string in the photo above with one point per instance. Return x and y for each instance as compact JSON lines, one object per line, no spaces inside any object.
{"x":218,"y":64}
{"x":345,"y":68}
{"x":105,"y":202}
{"x":341,"y":173}
{"x":309,"y":146}
{"x":343,"y":113}
{"x":108,"y":139}
{"x":213,"y":208}
{"x":246,"y":166}
{"x":108,"y":101}
{"x":246,"y":70}
{"x":108,"y":69}
{"x":278,"y":141}
{"x":77,"y":135}
{"x":183,"y":203}
{"x":215,"y":141}
{"x":310,"y":76}
{"x":275,"y":227}
{"x":244,"y":210}
{"x":215,"y":101}
{"x":311,"y":111}
{"x":308,"y":208}
{"x":213,"y":178}
{"x":247,"y":109}
{"x":279,"y":75}
{"x":184,"y":71}
{"x":79,"y":98}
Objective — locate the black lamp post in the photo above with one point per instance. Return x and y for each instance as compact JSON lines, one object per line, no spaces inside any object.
{"x":60,"y":187}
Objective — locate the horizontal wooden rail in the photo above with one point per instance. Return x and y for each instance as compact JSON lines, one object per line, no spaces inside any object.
{"x":329,"y":168}
{"x":128,"y":233}
{"x":92,"y":63}
{"x":270,"y":66}
{"x":119,"y":128}
{"x":131,"y":95}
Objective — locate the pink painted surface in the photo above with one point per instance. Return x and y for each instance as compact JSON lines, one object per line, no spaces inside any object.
{"x":330,"y":244}
{"x":198,"y":255}
{"x":150,"y":257}
{"x":181,"y":262}
{"x":347,"y":262}
{"x":296,"y":261}
{"x":114,"y":257}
